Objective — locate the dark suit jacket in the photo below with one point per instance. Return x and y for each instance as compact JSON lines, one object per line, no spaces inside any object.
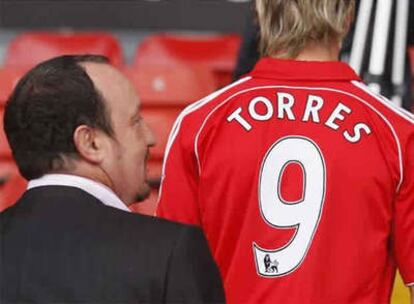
{"x":61,"y":245}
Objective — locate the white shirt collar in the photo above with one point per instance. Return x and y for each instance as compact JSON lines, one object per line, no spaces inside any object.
{"x":98,"y":190}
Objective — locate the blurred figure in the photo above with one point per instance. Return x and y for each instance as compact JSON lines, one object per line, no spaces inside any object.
{"x":301,"y":163}
{"x":76,"y":133}
{"x":249,"y":47}
{"x":249,"y":53}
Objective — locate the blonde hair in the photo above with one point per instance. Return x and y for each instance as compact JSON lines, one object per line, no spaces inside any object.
{"x":287,"y":26}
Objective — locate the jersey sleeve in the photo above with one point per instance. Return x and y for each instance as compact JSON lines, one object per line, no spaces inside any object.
{"x":178,"y":200}
{"x":404,"y":218}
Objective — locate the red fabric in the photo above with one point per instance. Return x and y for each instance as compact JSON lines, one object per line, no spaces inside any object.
{"x":342,"y":216}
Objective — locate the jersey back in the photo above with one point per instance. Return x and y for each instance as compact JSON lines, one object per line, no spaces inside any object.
{"x":295,"y":183}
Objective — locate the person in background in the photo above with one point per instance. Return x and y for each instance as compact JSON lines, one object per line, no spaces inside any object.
{"x":249,"y":53}
{"x":74,"y":126}
{"x":249,"y":48}
{"x":302,"y":180}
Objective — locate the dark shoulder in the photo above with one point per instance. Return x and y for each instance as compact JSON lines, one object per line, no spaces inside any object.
{"x":10,"y":212}
{"x":153,"y":225}
{"x":72,"y":209}
{"x":157,"y":237}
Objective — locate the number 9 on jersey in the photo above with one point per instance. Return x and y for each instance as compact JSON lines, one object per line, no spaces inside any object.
{"x":303,"y":215}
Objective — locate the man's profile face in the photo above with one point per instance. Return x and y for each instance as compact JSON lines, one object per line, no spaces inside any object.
{"x":126,"y":161}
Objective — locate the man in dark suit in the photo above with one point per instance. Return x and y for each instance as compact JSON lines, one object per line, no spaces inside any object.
{"x":75,"y":130}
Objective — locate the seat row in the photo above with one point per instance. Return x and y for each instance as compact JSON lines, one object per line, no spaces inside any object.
{"x":216,"y":53}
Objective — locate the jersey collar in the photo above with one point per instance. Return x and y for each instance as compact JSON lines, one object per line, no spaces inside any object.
{"x":303,"y":70}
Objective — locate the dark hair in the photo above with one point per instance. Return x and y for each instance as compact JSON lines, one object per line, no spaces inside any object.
{"x":46,"y":107}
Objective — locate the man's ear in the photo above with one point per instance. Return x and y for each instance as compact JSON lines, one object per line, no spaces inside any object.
{"x":89,"y":143}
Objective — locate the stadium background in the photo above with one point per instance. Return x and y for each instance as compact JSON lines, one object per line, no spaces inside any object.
{"x":174,"y":51}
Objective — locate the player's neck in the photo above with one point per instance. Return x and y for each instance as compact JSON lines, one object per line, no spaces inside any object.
{"x":319,"y":52}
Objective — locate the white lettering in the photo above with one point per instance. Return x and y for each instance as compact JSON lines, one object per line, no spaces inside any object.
{"x":257,"y":116}
{"x":313,"y":105}
{"x":285,"y":106}
{"x":336,"y":114}
{"x":357,"y":130}
{"x":262,"y":108}
{"x":236,"y":116}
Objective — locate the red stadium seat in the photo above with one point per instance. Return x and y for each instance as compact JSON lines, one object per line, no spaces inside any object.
{"x":31,"y":48}
{"x":8,"y":80}
{"x":215,"y":52}
{"x":164,"y":92}
{"x":12,"y":184}
{"x":5,"y":152}
{"x":159,"y":85}
{"x":160,"y":120}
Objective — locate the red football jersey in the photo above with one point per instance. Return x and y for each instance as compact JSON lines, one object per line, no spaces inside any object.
{"x":303,"y":182}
